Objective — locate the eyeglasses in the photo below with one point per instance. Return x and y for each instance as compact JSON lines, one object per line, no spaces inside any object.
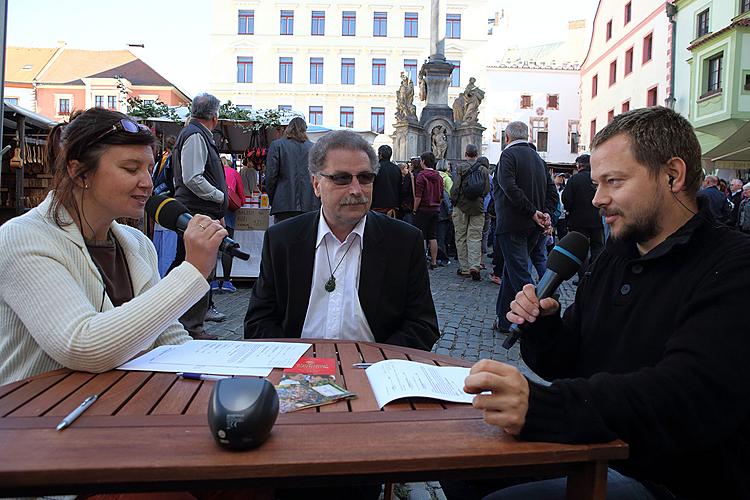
{"x":346,"y":179}
{"x":124,"y":125}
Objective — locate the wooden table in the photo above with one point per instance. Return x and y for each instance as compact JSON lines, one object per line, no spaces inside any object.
{"x":148,"y":432}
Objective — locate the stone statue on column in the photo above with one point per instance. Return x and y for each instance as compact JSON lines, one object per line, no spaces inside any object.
{"x":466,"y":105}
{"x":405,"y":108}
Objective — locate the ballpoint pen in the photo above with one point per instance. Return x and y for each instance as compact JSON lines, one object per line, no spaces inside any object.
{"x":361,"y":365}
{"x":201,"y":376}
{"x":77,"y":412}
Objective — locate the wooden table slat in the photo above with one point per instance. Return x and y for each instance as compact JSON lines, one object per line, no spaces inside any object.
{"x":118,"y":394}
{"x":41,"y":404}
{"x":175,"y":401}
{"x":147,"y":398}
{"x":8,"y":388}
{"x":329,"y":351}
{"x":356,"y":379}
{"x":96,"y":385}
{"x":28,"y":392}
{"x":199,"y":404}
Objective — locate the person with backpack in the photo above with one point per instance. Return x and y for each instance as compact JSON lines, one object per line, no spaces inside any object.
{"x":470,"y":186}
{"x":162,"y":176}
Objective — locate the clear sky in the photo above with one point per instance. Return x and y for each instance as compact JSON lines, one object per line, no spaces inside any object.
{"x":176,"y":32}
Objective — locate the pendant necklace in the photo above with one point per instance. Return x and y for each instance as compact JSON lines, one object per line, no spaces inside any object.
{"x":331,"y":283}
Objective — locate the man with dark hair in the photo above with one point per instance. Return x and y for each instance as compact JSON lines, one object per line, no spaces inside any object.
{"x":343,"y":272}
{"x":200,"y":185}
{"x":287,"y":179}
{"x":386,"y":190}
{"x":583,"y":216}
{"x":525,"y":197}
{"x":428,"y":193}
{"x":649,"y":352}
{"x":468,"y":214}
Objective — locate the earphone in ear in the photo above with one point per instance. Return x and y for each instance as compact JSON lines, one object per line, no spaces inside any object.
{"x":671,"y":180}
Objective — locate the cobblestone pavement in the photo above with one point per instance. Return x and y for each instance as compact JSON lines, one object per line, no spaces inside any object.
{"x":465,"y":309}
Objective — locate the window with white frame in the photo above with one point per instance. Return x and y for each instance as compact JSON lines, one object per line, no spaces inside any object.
{"x":377,"y":120}
{"x":246,"y":22}
{"x":244,"y":69}
{"x":347,"y":71}
{"x":318,"y":26}
{"x":378,"y":71}
{"x":346,"y":116}
{"x":315,"y":115}
{"x":316,"y":70}
{"x":411,"y":25}
{"x":380,"y":24}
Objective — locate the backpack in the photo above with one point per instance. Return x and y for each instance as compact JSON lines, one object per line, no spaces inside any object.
{"x":472,"y":183}
{"x":164,"y":178}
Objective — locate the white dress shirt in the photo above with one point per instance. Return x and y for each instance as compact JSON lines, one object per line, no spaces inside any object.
{"x":337,"y":314}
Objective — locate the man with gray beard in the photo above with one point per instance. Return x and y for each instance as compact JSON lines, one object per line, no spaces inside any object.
{"x":343,"y":272}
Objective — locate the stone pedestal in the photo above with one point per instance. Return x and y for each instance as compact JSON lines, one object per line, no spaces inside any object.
{"x":467,"y":134}
{"x":437,"y":76}
{"x":408,"y":140}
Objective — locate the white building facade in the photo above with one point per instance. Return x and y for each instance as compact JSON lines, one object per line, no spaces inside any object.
{"x":336,"y":62}
{"x":540,"y":87}
{"x":627,"y":64}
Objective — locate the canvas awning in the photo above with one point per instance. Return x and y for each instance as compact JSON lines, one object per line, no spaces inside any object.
{"x":736,"y":147}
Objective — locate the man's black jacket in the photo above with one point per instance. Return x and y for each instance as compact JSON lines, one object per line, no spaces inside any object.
{"x":650,"y":353}
{"x":520,"y":187}
{"x":394,"y":289}
{"x":577,"y":197}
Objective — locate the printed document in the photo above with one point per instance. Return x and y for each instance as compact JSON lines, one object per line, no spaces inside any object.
{"x":220,"y":357}
{"x":396,"y":378}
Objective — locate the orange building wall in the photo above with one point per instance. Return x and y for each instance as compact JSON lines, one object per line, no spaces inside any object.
{"x":47,"y":105}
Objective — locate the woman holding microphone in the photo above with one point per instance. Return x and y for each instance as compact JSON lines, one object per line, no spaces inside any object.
{"x":79,"y":290}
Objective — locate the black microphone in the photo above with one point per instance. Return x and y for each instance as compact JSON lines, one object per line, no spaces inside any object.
{"x":563,"y":262}
{"x":173,"y":215}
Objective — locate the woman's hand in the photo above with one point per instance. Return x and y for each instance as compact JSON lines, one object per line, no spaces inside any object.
{"x":202,"y":239}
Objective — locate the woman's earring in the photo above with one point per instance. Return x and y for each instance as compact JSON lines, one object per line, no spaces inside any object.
{"x":85,"y":186}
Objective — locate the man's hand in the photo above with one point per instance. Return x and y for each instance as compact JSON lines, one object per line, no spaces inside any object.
{"x":540,"y":218}
{"x":508,"y":402}
{"x":526,"y":306}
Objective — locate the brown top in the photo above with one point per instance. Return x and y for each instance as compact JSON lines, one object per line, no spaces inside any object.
{"x":110,"y":260}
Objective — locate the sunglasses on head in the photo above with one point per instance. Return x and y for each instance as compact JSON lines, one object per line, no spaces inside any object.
{"x":124,"y":125}
{"x":346,"y":179}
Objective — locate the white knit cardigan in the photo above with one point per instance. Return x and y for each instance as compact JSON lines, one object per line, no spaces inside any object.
{"x":51,"y":291}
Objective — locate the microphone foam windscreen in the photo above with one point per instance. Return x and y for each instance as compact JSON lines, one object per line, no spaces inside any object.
{"x":566,"y":258}
{"x":165,"y":210}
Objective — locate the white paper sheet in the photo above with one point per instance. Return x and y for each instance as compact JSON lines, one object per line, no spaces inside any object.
{"x":395,"y":378}
{"x":220,"y":357}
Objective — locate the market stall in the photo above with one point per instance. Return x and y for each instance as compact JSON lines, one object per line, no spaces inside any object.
{"x":25,"y":178}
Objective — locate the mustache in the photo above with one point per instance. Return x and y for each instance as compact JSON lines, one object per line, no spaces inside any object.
{"x":354,"y":199}
{"x":605,"y":213}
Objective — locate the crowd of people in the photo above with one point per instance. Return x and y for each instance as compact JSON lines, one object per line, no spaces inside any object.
{"x":649,"y":352}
